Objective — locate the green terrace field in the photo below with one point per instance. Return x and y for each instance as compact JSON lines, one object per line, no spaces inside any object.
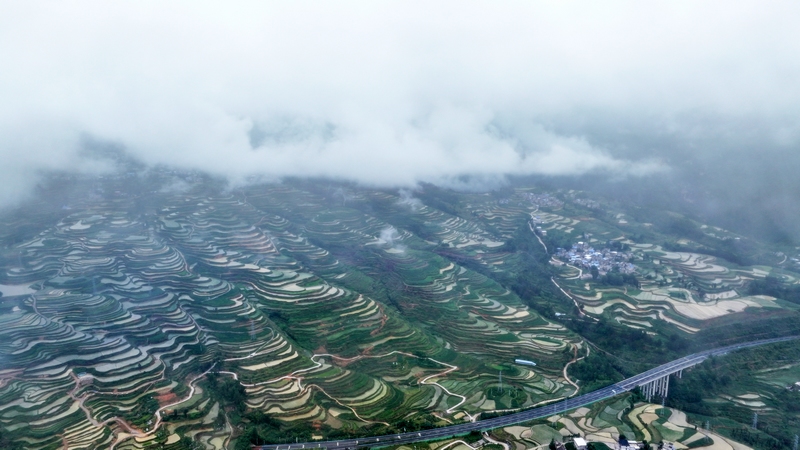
{"x":681,"y":288}
{"x":603,"y":423}
{"x":138,"y":315}
{"x":160,"y":318}
{"x":710,"y":407}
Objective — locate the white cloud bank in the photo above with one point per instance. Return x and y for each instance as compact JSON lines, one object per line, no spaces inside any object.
{"x":388,"y":93}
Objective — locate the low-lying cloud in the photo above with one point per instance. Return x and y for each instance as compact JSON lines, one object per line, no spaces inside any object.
{"x":390,"y":238}
{"x":408,"y":200}
{"x":391,"y":93}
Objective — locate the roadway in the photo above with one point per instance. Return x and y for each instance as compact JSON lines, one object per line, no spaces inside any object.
{"x":533,"y":413}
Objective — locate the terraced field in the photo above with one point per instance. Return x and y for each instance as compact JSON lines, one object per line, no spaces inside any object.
{"x":332,"y":310}
{"x":683,"y":289}
{"x":603,"y":423}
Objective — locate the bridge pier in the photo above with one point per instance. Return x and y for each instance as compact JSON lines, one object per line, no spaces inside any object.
{"x":659,"y":386}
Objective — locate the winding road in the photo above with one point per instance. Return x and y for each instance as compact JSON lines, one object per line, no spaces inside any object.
{"x":530,"y":414}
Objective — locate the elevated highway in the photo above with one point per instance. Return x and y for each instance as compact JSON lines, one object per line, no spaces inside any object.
{"x":653,"y":382}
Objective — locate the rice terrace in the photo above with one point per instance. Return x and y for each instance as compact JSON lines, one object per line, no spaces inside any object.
{"x":209,"y":317}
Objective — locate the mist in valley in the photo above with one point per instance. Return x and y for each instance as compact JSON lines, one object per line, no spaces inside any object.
{"x":691,"y":106}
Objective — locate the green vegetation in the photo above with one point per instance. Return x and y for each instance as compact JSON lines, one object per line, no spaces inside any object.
{"x":727,"y":392}
{"x":776,"y":287}
{"x":140,"y":316}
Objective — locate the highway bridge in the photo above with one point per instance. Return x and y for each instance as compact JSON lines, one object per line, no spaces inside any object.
{"x":653,"y":382}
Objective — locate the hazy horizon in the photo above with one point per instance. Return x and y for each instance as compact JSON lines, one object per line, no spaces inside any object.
{"x":394,"y":94}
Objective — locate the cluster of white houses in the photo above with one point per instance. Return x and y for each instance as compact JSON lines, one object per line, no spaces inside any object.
{"x":545,"y":200}
{"x":622,"y":444}
{"x":585,"y":256}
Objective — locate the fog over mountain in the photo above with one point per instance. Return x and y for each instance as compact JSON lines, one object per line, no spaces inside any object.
{"x":701,"y":97}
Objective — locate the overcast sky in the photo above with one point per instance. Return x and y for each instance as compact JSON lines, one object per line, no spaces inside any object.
{"x":393,"y":93}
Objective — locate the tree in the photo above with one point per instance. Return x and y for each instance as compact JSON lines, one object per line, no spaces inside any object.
{"x":187,"y":443}
{"x":552,"y":445}
{"x":243,"y":443}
